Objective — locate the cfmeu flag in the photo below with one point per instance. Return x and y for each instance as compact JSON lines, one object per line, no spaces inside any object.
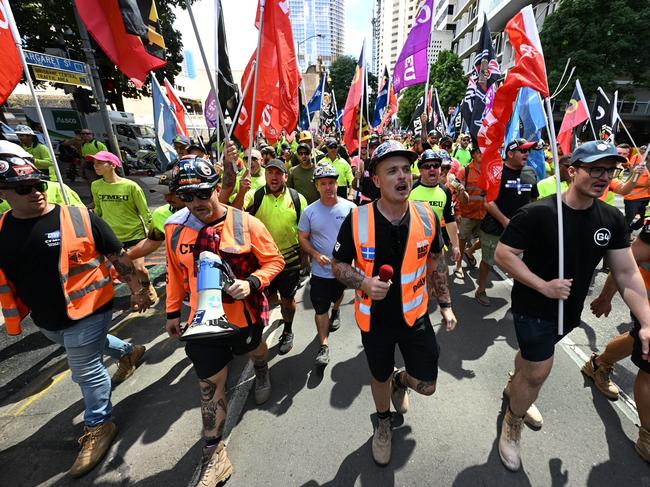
{"x":11,"y":67}
{"x":164,"y":125}
{"x":576,"y":114}
{"x":382,"y":99}
{"x":276,"y":105}
{"x":128,"y":32}
{"x":353,"y":113}
{"x":529,"y":70}
{"x":179,"y":110}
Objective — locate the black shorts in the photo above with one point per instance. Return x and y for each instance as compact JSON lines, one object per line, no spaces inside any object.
{"x":211,"y":355}
{"x":637,"y":360}
{"x":417,"y":343}
{"x":286,"y":283}
{"x":537,"y":337}
{"x":131,"y":243}
{"x":323,"y":292}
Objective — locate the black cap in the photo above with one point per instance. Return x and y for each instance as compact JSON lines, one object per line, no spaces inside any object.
{"x":303,"y":146}
{"x":278,"y":164}
{"x":331,"y":143}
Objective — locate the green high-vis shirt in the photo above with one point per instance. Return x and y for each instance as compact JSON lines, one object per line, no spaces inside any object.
{"x":344,"y":169}
{"x":91,"y":148}
{"x":42,"y":159}
{"x":55,"y":195}
{"x":123,"y":206}
{"x":548,"y":187}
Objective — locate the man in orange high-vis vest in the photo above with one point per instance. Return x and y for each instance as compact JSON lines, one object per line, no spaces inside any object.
{"x":53,"y":266}
{"x":405,"y":236}
{"x":248,"y":249}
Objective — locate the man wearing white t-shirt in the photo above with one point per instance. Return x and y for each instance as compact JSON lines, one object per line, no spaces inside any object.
{"x":318,"y":229}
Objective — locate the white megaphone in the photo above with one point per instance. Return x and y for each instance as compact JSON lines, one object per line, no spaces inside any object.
{"x":210,"y":319}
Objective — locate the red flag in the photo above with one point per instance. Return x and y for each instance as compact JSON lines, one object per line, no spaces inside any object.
{"x":576,"y":114}
{"x":276,"y":105}
{"x":391,"y":109}
{"x":351,"y":116}
{"x":105,"y":20}
{"x":178,"y":108}
{"x":11,"y":67}
{"x":529,"y":70}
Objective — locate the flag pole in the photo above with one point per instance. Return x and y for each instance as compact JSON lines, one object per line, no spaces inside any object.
{"x":17,"y":39}
{"x":222,"y":122}
{"x":560,"y":219}
{"x":426,"y":84}
{"x":363,"y":60}
{"x":365,"y":79}
{"x":255,"y":83}
{"x":216,"y":61}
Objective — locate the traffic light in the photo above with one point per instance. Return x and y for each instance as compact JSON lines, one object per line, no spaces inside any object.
{"x":84,"y":100}
{"x":109,"y":85}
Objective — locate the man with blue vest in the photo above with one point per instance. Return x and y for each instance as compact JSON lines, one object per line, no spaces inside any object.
{"x":393,"y":310}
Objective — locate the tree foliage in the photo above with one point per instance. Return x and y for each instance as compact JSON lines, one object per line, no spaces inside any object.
{"x":446,"y":76}
{"x":605,"y":39}
{"x":51,"y":24}
{"x":341,"y":74}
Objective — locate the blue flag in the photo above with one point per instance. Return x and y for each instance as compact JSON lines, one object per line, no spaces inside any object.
{"x":454,"y":123}
{"x":314,"y":104}
{"x":339,"y":118}
{"x":164,"y":125}
{"x":382,"y":100}
{"x":303,"y":121}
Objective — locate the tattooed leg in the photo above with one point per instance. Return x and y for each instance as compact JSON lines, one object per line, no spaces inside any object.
{"x":213,"y":404}
{"x":426,"y":388}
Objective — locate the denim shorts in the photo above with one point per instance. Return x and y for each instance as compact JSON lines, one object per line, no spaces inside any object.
{"x":537,"y":337}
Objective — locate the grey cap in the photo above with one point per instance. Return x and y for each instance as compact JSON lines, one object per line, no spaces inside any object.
{"x":595,"y":150}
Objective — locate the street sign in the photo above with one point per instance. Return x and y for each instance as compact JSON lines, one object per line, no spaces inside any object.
{"x":55,"y":62}
{"x":66,"y":120}
{"x":56,"y":76}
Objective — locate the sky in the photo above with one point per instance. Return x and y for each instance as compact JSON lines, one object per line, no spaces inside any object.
{"x":242,"y":35}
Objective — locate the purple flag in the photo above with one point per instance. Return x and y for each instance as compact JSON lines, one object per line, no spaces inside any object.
{"x":412,"y":66}
{"x":210,"y":110}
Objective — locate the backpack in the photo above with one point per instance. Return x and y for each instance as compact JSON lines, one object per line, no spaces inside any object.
{"x":259,"y":196}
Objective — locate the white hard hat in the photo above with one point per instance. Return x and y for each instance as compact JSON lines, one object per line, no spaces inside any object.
{"x":23,"y":130}
{"x":7,"y":147}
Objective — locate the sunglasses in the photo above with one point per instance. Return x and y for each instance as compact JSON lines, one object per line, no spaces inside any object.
{"x":430,"y":166}
{"x":188,"y":196}
{"x":523,"y":151}
{"x":25,"y":189}
{"x":256,"y":159}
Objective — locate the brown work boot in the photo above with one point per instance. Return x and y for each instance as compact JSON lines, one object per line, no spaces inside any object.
{"x":127,"y":364}
{"x":381,"y":441}
{"x":215,"y":466}
{"x":262,"y":384}
{"x":533,"y":417}
{"x":399,"y":394}
{"x":601,"y":375}
{"x":95,"y":443}
{"x":509,"y":448}
{"x":642,"y":445}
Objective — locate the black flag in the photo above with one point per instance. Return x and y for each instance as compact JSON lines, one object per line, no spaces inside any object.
{"x":327,"y":123}
{"x":228,"y":94}
{"x":415,"y":125}
{"x":486,"y":72}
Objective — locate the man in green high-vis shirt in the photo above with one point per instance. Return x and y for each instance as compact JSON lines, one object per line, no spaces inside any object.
{"x":39,"y":152}
{"x":548,"y":186}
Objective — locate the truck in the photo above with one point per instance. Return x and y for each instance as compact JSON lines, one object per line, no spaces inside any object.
{"x":63,"y":122}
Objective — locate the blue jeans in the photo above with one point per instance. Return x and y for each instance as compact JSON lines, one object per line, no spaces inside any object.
{"x":84,"y":344}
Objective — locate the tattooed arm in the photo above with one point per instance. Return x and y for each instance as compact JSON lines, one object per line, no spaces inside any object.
{"x":438,"y":281}
{"x":124,"y":267}
{"x":347,"y":275}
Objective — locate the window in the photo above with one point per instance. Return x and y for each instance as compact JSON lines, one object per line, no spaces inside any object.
{"x":450,"y":9}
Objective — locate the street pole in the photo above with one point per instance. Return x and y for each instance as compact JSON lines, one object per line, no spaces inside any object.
{"x":28,"y":77}
{"x":96,"y":84}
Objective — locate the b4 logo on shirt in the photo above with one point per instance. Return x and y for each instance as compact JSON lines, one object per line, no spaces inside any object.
{"x":423,"y":248}
{"x":602,"y":237}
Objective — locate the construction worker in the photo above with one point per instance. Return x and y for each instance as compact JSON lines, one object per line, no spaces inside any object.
{"x":90,"y":147}
{"x":41,"y":154}
{"x":346,"y":178}
{"x":394,"y":311}
{"x":122,"y":204}
{"x":53,"y":267}
{"x":245,"y":245}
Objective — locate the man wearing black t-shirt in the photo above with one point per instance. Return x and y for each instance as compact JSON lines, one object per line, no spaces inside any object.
{"x":518,"y":187}
{"x":528,"y":251}
{"x":52,"y":265}
{"x":405,"y":236}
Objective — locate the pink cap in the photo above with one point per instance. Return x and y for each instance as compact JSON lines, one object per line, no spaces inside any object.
{"x":106,"y":157}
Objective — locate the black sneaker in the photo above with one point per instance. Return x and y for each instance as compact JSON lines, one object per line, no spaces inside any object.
{"x":335,"y":320}
{"x":323,"y":356}
{"x":285,"y":343}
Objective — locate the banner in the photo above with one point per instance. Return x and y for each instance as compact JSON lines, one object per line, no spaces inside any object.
{"x":226,"y":86}
{"x":412,"y":66}
{"x":415,"y":125}
{"x":327,"y":123}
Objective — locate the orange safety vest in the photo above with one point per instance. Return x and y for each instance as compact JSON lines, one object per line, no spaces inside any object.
{"x":422,"y":231}
{"x":181,"y":231}
{"x":475,"y":207}
{"x":85,"y":278}
{"x":641,"y":190}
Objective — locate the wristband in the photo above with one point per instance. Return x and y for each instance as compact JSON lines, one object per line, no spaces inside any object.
{"x":444,"y":305}
{"x":254,"y":282}
{"x":172,"y":315}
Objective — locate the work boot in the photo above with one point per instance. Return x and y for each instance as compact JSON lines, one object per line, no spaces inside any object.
{"x":601,"y":375}
{"x":323,"y":356}
{"x":215,"y":466}
{"x":381,"y":442}
{"x":509,"y":448}
{"x":285,"y":343}
{"x":399,"y":394}
{"x":262,"y":384}
{"x":533,"y":417}
{"x":153,"y":295}
{"x":642,"y":445}
{"x":335,"y":320}
{"x":94,"y":443}
{"x":127,"y":364}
